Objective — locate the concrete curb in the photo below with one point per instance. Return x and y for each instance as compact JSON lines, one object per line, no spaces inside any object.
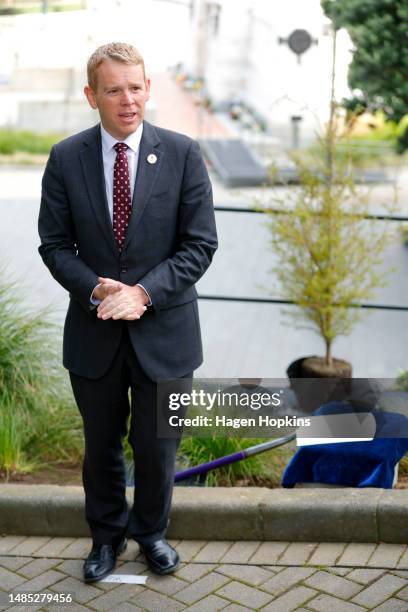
{"x":219,"y":513}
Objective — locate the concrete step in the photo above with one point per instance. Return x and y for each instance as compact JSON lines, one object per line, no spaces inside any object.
{"x":221,"y":513}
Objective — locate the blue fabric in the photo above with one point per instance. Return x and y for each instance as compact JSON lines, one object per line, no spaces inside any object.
{"x":353,"y":464}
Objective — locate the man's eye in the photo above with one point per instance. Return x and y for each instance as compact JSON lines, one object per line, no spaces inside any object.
{"x":113,"y":91}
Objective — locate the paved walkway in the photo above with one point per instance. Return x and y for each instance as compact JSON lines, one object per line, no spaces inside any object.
{"x":233,"y":576}
{"x":177,"y":109}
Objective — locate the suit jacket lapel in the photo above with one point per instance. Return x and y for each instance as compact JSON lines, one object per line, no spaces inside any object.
{"x":146,"y":177}
{"x":92,"y":165}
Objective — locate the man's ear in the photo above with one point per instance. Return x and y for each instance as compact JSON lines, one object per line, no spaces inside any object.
{"x":90,"y":96}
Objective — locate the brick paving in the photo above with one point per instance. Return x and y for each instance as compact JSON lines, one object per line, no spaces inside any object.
{"x":229,"y":576}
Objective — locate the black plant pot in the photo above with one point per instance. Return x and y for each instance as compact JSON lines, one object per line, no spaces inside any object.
{"x":311,"y":393}
{"x":294,"y":369}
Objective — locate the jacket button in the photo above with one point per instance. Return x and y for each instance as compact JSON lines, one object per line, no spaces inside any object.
{"x":123,"y":270}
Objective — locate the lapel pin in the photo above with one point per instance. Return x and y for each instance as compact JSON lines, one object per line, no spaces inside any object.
{"x":152,"y":158}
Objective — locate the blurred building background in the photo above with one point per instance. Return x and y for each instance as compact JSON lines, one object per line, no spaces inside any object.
{"x":238,"y":50}
{"x":243,"y":51}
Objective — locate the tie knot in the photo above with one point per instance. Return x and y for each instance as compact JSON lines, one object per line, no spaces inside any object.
{"x":120,"y":147}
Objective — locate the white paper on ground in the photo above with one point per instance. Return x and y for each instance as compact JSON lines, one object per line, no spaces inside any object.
{"x":125,"y":578}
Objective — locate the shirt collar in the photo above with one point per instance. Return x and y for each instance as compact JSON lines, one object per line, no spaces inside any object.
{"x":132,"y":141}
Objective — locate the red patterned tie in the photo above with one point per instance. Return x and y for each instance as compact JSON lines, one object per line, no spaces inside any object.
{"x":122,"y":200}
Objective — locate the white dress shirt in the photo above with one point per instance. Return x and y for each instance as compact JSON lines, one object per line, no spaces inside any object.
{"x":109,"y":157}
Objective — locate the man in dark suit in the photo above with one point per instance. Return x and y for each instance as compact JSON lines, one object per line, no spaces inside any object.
{"x":127,"y":228}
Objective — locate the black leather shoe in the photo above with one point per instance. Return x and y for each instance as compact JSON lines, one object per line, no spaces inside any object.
{"x":160,"y":557}
{"x":102,"y":560}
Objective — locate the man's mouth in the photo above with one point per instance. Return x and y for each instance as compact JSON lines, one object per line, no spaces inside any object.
{"x":127,"y":115}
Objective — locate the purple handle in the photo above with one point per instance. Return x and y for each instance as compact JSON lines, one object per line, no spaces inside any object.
{"x":243,"y":454}
{"x":211,"y":465}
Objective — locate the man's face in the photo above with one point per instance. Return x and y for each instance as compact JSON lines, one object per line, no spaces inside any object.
{"x":120,"y":97}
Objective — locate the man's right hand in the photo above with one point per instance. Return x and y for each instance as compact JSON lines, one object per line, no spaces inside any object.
{"x":104,"y":289}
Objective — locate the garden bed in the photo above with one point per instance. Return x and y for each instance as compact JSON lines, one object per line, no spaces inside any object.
{"x":71,"y":475}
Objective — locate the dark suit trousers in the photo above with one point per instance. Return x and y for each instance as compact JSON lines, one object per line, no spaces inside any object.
{"x":105,"y":408}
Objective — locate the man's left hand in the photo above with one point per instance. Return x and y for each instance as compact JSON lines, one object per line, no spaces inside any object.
{"x":129,"y":303}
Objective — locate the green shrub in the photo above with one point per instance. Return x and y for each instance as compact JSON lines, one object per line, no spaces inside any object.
{"x":13,"y":141}
{"x":402,"y":384}
{"x":403,"y":466}
{"x":39,"y":421}
{"x":355,"y":151}
{"x":377,"y":147}
{"x":21,"y":8}
{"x":12,"y":432}
{"x":402,"y":381}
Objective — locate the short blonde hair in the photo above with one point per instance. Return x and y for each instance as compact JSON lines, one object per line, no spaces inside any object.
{"x":120,"y":52}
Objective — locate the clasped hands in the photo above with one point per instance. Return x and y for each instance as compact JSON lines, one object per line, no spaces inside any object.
{"x":120,"y":301}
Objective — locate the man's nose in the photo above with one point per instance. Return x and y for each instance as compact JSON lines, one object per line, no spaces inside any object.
{"x":126,"y":97}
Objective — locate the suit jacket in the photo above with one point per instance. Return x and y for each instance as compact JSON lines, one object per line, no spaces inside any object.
{"x":170,"y":241}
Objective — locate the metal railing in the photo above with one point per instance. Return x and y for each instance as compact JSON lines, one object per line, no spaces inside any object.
{"x":258,"y":300}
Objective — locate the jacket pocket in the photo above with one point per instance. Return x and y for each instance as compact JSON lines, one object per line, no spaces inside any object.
{"x":184,"y":298}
